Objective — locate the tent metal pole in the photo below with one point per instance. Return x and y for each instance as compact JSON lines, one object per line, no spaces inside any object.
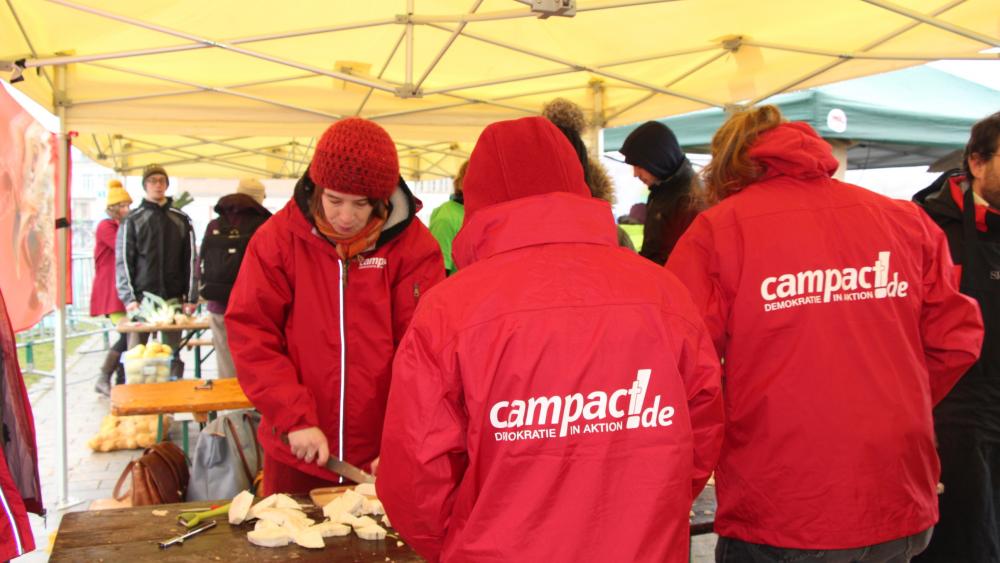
{"x":161,"y":148}
{"x":556,"y":72}
{"x":62,"y":246}
{"x":69,"y":59}
{"x":220,"y":90}
{"x":515,"y":14}
{"x":447,"y":45}
{"x":186,"y":92}
{"x":409,"y":45}
{"x":862,"y":55}
{"x":244,"y":149}
{"x":933,"y":21}
{"x":385,"y":67}
{"x":597,"y":71}
{"x":31,"y":47}
{"x":596,"y":120}
{"x":831,"y":65}
{"x":226,"y":46}
{"x":677,"y":79}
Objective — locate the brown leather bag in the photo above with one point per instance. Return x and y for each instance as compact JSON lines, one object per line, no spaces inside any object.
{"x":160,"y":476}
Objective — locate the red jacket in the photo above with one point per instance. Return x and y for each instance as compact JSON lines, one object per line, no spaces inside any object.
{"x":290,"y":337}
{"x":104,"y":296}
{"x":507,"y":434}
{"x":837,"y":313}
{"x":20,"y":489}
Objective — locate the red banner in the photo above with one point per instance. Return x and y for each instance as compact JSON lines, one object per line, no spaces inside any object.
{"x":28,"y":161}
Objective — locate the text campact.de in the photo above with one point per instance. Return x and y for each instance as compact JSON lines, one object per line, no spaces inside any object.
{"x":576,"y":413}
{"x":812,"y":287}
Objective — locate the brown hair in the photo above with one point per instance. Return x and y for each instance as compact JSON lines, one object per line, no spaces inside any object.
{"x":460,"y":177}
{"x":982,"y":142}
{"x":379,"y":208}
{"x":731,"y":169}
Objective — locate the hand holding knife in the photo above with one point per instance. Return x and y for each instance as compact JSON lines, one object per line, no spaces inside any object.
{"x":308,"y":447}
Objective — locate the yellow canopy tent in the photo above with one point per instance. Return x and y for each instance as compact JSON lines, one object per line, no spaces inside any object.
{"x":228,"y":87}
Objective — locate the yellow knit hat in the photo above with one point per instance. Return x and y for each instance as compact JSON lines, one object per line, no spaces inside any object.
{"x":117,"y":193}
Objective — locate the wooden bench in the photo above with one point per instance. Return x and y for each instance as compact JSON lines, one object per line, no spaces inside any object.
{"x":200,"y":398}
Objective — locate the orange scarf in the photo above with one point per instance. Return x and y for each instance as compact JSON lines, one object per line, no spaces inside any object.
{"x":349,"y":246}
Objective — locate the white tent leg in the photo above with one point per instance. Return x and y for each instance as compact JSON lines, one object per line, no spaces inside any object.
{"x":594,"y":136}
{"x":62,"y":234}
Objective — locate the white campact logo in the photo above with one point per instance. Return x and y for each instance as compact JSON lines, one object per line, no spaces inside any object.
{"x":833,"y":284}
{"x":378,"y":262}
{"x":559,"y":415}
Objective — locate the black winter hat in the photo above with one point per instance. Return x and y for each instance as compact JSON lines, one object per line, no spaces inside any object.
{"x":654,"y":147}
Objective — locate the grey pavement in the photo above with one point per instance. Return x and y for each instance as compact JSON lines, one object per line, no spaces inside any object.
{"x":92,"y":475}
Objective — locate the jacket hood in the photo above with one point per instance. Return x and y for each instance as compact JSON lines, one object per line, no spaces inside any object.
{"x":517,"y":159}
{"x":654,"y":147}
{"x":793,"y":149}
{"x":403,"y":208}
{"x":240,"y":204}
{"x":551,"y":218}
{"x":936,"y":198}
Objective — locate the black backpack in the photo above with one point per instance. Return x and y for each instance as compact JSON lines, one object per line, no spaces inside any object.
{"x":222,"y":252}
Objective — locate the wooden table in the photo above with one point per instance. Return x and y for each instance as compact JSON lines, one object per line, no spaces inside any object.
{"x":196,"y":396}
{"x":126,"y":326}
{"x":132,"y":534}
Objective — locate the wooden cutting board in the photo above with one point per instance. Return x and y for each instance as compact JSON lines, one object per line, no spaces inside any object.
{"x":323,"y":495}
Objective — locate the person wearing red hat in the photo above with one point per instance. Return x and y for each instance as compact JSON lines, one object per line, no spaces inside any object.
{"x":324,"y":294}
{"x":558,"y":398}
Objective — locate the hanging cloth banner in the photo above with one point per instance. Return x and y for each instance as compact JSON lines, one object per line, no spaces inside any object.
{"x":28,"y":162}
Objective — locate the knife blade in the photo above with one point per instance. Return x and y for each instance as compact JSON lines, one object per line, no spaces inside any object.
{"x":342,"y":468}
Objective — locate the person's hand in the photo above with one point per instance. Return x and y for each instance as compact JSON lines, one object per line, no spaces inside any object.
{"x":309,"y":445}
{"x":375,"y":466}
{"x":189,"y":308}
{"x":133,"y":306}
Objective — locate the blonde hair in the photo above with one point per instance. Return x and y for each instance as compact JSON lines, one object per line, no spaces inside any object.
{"x":731,"y":169}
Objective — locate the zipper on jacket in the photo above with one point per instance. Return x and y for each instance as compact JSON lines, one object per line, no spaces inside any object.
{"x":15,"y":531}
{"x":343,"y":357}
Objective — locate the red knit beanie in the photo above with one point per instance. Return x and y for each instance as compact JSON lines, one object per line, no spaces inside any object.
{"x":356,"y":156}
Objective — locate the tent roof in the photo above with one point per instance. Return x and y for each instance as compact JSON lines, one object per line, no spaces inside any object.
{"x":147,"y":75}
{"x":909,"y":117}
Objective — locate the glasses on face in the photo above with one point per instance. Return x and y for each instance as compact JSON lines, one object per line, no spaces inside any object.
{"x":155,"y":180}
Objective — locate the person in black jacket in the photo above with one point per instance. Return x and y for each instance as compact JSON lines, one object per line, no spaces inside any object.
{"x":222,"y":250}
{"x":155,"y":253}
{"x":966,"y":204}
{"x":674,"y":188}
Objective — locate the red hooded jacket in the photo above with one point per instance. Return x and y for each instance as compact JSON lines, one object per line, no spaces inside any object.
{"x":104,"y":295}
{"x":20,"y":488}
{"x":297,"y":321}
{"x":508,"y":435}
{"x":840,"y":323}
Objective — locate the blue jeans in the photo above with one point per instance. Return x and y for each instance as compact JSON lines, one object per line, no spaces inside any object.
{"x":730,"y":550}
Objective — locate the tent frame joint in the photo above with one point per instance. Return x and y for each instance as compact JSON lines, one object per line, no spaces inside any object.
{"x":407,"y":91}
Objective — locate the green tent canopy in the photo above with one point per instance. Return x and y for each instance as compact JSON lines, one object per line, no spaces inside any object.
{"x":910,"y":117}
